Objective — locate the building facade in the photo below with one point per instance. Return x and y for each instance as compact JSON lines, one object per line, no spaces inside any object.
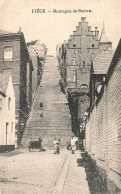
{"x":7,"y":113}
{"x":75,"y":57}
{"x":14,"y":58}
{"x":37,"y":52}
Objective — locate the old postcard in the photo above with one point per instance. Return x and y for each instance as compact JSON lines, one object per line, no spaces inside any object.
{"x":60,"y":96}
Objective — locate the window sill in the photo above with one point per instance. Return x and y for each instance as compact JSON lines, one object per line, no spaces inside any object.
{"x":7,"y":60}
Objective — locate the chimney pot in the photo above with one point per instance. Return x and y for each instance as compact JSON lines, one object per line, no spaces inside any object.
{"x":19,"y":29}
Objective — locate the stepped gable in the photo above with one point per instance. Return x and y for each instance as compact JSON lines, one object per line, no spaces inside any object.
{"x":102,"y":62}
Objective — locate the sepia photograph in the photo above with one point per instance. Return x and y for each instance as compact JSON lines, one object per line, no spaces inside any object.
{"x":60,"y":97}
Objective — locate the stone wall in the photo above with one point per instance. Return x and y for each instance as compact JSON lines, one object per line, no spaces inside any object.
{"x":103,"y":131}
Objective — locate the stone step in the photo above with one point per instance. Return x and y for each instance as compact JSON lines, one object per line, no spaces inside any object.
{"x":53,"y":119}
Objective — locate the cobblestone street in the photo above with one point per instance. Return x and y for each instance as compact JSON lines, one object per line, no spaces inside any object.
{"x":43,"y":172}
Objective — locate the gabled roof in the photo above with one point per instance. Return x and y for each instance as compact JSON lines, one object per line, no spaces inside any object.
{"x":102,"y":62}
{"x":104,"y":38}
{"x":4,"y":79}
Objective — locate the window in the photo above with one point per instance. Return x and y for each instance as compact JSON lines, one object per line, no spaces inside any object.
{"x":74,"y":44}
{"x":12,"y":127}
{"x":84,"y":86}
{"x":0,"y":103}
{"x":8,"y":53}
{"x":7,"y":126}
{"x":74,"y":58}
{"x":83,"y":62}
{"x":9,"y":103}
{"x":92,"y":45}
{"x":92,"y":56}
{"x":8,"y":70}
{"x":74,"y":75}
{"x":99,"y":88}
{"x":83,"y":69}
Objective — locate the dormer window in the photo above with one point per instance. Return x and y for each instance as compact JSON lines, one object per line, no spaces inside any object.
{"x":8,"y":53}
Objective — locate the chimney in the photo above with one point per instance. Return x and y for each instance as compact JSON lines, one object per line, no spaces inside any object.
{"x":97,"y":37}
{"x":89,"y":28}
{"x":95,"y":31}
{"x":19,"y":31}
{"x":74,"y":32}
{"x":92,"y":32}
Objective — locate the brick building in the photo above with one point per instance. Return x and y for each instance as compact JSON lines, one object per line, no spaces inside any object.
{"x":103,"y":124}
{"x":14,"y":58}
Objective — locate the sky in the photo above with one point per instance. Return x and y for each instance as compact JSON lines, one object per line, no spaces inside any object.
{"x":53,"y":28}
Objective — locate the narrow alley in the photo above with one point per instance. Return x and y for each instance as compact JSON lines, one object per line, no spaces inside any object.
{"x":43,"y":172}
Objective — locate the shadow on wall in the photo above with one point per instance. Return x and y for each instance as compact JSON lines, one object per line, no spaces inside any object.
{"x":62,"y":86}
{"x":94,"y":181}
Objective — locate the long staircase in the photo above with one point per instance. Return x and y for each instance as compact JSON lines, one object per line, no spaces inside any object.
{"x":50,"y":115}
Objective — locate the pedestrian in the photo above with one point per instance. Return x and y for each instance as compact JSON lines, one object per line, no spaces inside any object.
{"x":58,"y":146}
{"x":55,"y":146}
{"x":56,"y":143}
{"x":69,"y":144}
{"x":73,"y":145}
